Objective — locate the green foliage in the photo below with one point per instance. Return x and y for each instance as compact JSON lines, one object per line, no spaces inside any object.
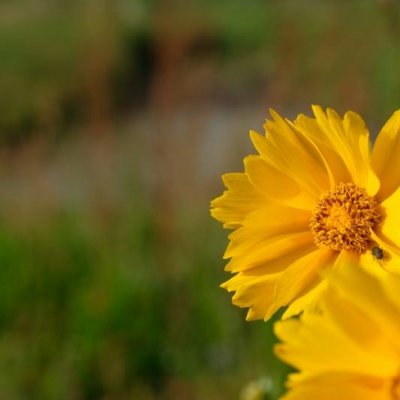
{"x":86,"y":311}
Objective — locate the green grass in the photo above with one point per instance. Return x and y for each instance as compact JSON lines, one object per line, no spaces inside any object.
{"x":87,"y":311}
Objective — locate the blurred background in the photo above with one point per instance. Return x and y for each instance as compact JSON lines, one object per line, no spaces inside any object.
{"x":117,"y":118}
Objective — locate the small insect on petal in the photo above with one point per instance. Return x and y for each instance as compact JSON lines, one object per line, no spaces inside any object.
{"x":377,"y":252}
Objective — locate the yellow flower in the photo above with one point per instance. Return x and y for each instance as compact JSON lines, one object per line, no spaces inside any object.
{"x":350,"y":349}
{"x":313,"y":198}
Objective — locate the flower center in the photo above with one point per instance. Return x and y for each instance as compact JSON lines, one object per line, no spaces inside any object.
{"x":343,"y":219}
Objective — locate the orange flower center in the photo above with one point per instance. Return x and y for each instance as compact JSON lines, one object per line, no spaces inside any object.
{"x":344,"y":218}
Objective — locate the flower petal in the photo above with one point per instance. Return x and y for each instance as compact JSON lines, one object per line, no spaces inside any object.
{"x":270,"y":249}
{"x":349,"y":138}
{"x":308,"y":300}
{"x":302,"y":276}
{"x":322,"y":342}
{"x":389,"y":229}
{"x":240,"y":199}
{"x":310,"y":128}
{"x":304,"y":164}
{"x":343,"y":386}
{"x":385,"y":156}
{"x":264,"y":224}
{"x":311,"y":297}
{"x":390,"y":261}
{"x":361,"y":284}
{"x":276,"y":185}
{"x":256,"y":293}
{"x":255,"y":286}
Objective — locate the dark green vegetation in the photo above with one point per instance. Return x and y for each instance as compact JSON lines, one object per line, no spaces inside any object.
{"x":97,"y":309}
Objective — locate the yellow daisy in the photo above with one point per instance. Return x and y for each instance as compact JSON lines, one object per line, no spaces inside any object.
{"x":350,"y":349}
{"x":313,"y":198}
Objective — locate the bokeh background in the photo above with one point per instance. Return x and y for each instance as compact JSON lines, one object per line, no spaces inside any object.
{"x":117,"y":118}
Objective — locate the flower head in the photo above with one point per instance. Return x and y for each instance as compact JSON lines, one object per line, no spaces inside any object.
{"x":313,"y":198}
{"x":350,"y":348}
